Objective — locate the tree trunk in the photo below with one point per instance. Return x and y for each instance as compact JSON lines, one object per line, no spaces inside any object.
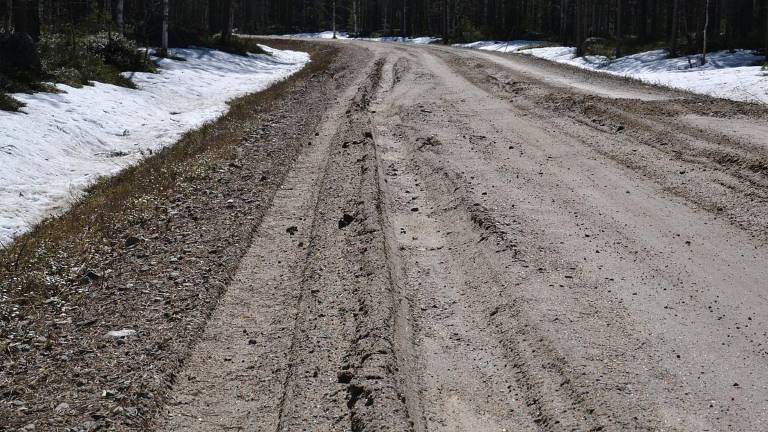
{"x":445,"y":21}
{"x":564,"y":21}
{"x":20,"y":17}
{"x":706,"y":30}
{"x":120,"y":18}
{"x":226,"y":35}
{"x":334,"y":19}
{"x":403,"y":31}
{"x":354,"y":16}
{"x":675,"y":22}
{"x":9,"y":17}
{"x":166,"y":10}
{"x":620,"y":26}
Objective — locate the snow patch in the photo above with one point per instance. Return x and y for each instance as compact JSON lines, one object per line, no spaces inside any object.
{"x":343,"y":35}
{"x":727,"y":75}
{"x":500,"y":46}
{"x":62,"y":143}
{"x":320,"y":35}
{"x":425,"y":40}
{"x":121,"y":333}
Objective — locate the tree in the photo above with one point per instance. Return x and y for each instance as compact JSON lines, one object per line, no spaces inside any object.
{"x":673,"y":33}
{"x":354,"y":16}
{"x":20,"y":19}
{"x":226,"y":35}
{"x":166,"y":11}
{"x":120,"y":17}
{"x":9,"y":15}
{"x":706,"y":29}
{"x":403,"y":30}
{"x":619,"y":26}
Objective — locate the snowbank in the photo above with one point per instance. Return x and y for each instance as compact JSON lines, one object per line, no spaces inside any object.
{"x":425,"y":40}
{"x":319,"y":35}
{"x":500,"y":46}
{"x":61,"y":143}
{"x":343,"y":35}
{"x":726,"y":75}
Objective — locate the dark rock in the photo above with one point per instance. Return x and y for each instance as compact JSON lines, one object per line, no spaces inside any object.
{"x":345,"y":377}
{"x":346,"y":220}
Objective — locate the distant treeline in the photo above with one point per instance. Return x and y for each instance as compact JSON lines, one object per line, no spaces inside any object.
{"x":678,"y":24}
{"x":622,"y":24}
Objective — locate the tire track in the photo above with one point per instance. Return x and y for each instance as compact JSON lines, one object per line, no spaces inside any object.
{"x":343,"y":363}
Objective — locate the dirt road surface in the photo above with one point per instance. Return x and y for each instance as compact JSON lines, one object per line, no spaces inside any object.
{"x":471,"y":241}
{"x":483,"y":242}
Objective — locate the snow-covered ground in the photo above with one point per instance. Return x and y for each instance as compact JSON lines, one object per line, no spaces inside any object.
{"x":500,"y":46}
{"x":61,"y":143}
{"x":727,"y":75}
{"x":424,"y":40}
{"x":319,"y":35}
{"x":343,"y":35}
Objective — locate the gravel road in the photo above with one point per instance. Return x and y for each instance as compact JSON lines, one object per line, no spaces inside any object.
{"x":484,"y":242}
{"x":493,"y":242}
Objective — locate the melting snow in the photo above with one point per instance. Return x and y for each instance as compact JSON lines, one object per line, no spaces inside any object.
{"x":343,"y":35}
{"x":500,"y":46}
{"x":728,"y":75}
{"x":320,"y":35}
{"x":62,"y":143}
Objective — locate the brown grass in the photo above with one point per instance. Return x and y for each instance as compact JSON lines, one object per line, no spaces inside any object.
{"x":27,"y":264}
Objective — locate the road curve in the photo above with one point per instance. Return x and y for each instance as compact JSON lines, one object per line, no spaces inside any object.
{"x":483,"y":242}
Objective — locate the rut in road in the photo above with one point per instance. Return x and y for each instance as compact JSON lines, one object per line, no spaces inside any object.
{"x":305,"y":335}
{"x":469,"y":247}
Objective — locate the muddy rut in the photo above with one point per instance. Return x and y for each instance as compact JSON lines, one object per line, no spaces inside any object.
{"x":476,"y":242}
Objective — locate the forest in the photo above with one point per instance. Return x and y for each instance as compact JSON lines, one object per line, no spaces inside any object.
{"x":681,"y":25}
{"x":79,"y":41}
{"x":677,"y":24}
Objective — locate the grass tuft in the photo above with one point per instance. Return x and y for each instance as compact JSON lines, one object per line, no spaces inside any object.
{"x":8,"y":103}
{"x":236,"y":45}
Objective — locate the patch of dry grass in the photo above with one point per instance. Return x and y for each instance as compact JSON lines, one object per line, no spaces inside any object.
{"x":36,"y":263}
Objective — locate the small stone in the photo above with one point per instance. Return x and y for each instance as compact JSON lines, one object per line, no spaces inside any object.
{"x":62,"y":408}
{"x":345,"y":377}
{"x":346,"y":220}
{"x":85,"y":322}
{"x":121,"y":333}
